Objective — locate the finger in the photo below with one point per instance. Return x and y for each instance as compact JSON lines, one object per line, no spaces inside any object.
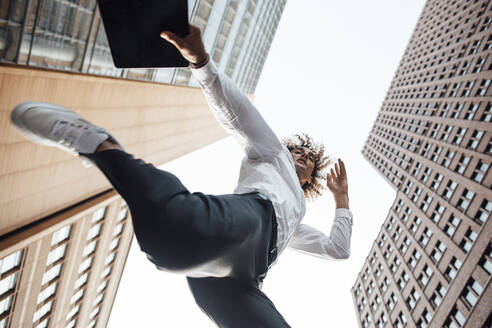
{"x":172,"y":38}
{"x":333,"y":173}
{"x":194,"y":29}
{"x":337,"y":169}
{"x":328,"y":180}
{"x":342,"y":168}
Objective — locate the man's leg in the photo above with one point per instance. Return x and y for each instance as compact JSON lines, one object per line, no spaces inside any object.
{"x":231,"y":303}
{"x":180,"y":231}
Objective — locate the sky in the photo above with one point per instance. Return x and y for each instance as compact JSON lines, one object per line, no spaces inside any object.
{"x":327,"y":73}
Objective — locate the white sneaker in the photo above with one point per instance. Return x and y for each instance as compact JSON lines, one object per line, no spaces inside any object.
{"x":55,"y":126}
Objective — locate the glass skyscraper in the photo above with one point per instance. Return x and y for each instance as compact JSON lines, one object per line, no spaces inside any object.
{"x":69,"y":35}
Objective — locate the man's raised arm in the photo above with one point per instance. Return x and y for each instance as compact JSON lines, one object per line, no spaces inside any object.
{"x":337,"y":245}
{"x":231,"y":107}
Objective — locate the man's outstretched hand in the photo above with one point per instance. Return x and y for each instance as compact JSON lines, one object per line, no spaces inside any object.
{"x":336,"y":181}
{"x":190,"y":46}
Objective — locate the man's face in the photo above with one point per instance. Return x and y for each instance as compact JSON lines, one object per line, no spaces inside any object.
{"x":304,"y":163}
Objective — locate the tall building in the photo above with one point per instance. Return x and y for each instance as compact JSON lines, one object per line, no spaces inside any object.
{"x":431,"y":263}
{"x":70,"y":36}
{"x":64,"y":235}
{"x":65,"y":270}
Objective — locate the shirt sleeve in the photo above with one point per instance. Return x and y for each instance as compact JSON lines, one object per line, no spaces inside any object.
{"x":314,"y":242}
{"x":236,"y":113}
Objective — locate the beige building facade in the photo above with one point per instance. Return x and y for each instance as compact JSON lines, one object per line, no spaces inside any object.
{"x":65,"y":270}
{"x":431,"y":263}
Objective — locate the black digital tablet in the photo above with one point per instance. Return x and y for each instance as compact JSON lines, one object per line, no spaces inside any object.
{"x":133,"y":29}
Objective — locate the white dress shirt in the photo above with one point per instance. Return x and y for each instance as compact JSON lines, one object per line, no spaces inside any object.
{"x":268,"y":168}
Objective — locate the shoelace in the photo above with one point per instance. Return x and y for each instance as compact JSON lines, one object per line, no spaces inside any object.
{"x":67,"y":133}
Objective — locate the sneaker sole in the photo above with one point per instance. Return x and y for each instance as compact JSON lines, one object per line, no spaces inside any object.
{"x":16,"y":118}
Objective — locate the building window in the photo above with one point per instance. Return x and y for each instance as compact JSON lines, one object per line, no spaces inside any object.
{"x":487,"y":113}
{"x":482,"y":89}
{"x":400,"y":321}
{"x":382,"y":320}
{"x":395,"y":264}
{"x":424,"y":205}
{"x":89,"y":249}
{"x":94,"y":313}
{"x":425,"y":175}
{"x":460,"y":133}
{"x":449,"y":190}
{"x":114,"y":244}
{"x":447,"y":158}
{"x":47,"y":292}
{"x":480,"y":171}
{"x":465,"y":200}
{"x":438,"y":250}
{"x":475,"y":139}
{"x":415,"y":196}
{"x":486,"y":260}
{"x":388,"y":251}
{"x":106,"y":272}
{"x":471,"y":293}
{"x":445,"y":134}
{"x":438,"y":295}
{"x":98,"y":215}
{"x":77,"y":296}
{"x":122,"y":214}
{"x":56,"y":254}
{"x":404,"y":245}
{"x":455,"y":319}
{"x":470,"y":113}
{"x":102,"y":286}
{"x":435,"y":154}
{"x":436,"y":181}
{"x":81,"y":281}
{"x":426,"y":317}
{"x":392,"y":301}
{"x":424,"y":238}
{"x":425,"y":275}
{"x":382,"y":241}
{"x":98,"y":299}
{"x":61,"y":235}
{"x":110,"y":258}
{"x":462,"y":164}
{"x":416,"y":170}
{"x":456,"y":111}
{"x":414,"y":258}
{"x":118,"y":229}
{"x":73,"y":312}
{"x":385,"y":284}
{"x":42,"y":311}
{"x":468,"y":240}
{"x":415,"y":224}
{"x":94,"y":231}
{"x":405,"y":277}
{"x":452,"y":225}
{"x":453,"y":268}
{"x":437,"y":213}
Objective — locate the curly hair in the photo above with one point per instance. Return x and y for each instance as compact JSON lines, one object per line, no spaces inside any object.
{"x":312,"y":189}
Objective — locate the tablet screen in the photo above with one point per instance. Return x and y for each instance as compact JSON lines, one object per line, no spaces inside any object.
{"x":133,"y":29}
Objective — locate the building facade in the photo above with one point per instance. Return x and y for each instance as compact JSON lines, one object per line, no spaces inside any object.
{"x":65,"y":270}
{"x":431,"y":263}
{"x":69,"y":35}
{"x":64,"y":235}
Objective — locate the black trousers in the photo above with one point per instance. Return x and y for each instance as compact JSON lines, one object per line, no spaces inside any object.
{"x":223,"y":244}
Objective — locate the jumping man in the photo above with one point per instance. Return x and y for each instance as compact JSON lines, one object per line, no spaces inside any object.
{"x":224,"y":244}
